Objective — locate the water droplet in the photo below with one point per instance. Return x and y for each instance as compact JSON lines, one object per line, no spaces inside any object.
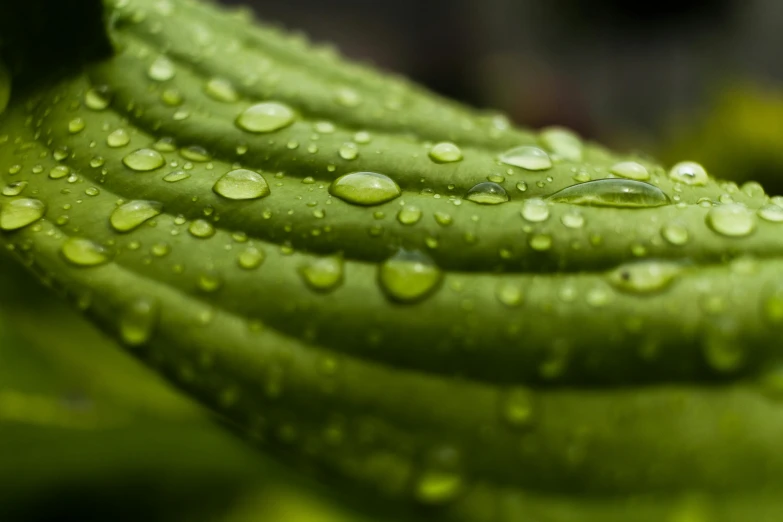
{"x":365,"y":188}
{"x":76,"y":125}
{"x":118,"y":138}
{"x":324,"y":274}
{"x":165,"y":144}
{"x":348,"y":97}
{"x":242,"y":184}
{"x":644,"y":277}
{"x":132,"y":214}
{"x":161,"y":70}
{"x":15,"y":188}
{"x":540,"y":242}
{"x":266,"y":117}
{"x":221,"y":90}
{"x":59,"y":172}
{"x":772,"y":213}
{"x":445,"y":152}
{"x":562,"y":142}
{"x":97,"y":98}
{"x":20,"y":213}
{"x":84,"y":252}
{"x":535,"y":210}
{"x":195,"y":153}
{"x":172,"y":97}
{"x":630,"y":170}
{"x":349,"y":151}
{"x":409,"y":215}
{"x":723,"y":351}
{"x":138,"y":321}
{"x":573,"y":219}
{"x":690,"y":173}
{"x":251,"y":258}
{"x":732,"y":220}
{"x":509,"y":294}
{"x":438,"y":487}
{"x":529,"y":158}
{"x":201,"y":229}
{"x":409,"y":276}
{"x":443,"y":219}
{"x":487,"y":193}
{"x":177,"y":175}
{"x":619,"y":193}
{"x":675,"y":234}
{"x":517,"y":407}
{"x":144,"y":160}
{"x":209,"y":281}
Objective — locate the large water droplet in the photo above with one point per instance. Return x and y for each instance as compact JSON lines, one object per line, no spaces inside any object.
{"x":445,"y":152}
{"x":242,"y":184}
{"x":731,"y":220}
{"x":644,"y":277}
{"x":630,"y":170}
{"x":409,"y":276}
{"x":20,"y":213}
{"x":324,"y":274}
{"x":619,"y":193}
{"x":562,"y":142}
{"x":266,"y":117}
{"x":690,"y":173}
{"x":161,"y":70}
{"x":535,"y":210}
{"x":138,"y":321}
{"x":772,"y":213}
{"x":84,"y":252}
{"x":365,"y":188}
{"x":15,"y":188}
{"x":132,"y":214}
{"x":144,"y":160}
{"x":487,"y":193}
{"x":529,"y":158}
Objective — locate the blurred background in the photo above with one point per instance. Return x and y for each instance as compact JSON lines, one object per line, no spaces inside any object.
{"x":87,"y":434}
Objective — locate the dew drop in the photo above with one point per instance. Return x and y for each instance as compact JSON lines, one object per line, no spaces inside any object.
{"x":201,"y":229}
{"x":409,"y":215}
{"x":349,"y":151}
{"x":161,"y":70}
{"x":365,"y":188}
{"x":618,"y":193}
{"x":59,"y":172}
{"x":97,"y":98}
{"x":133,"y":214}
{"x":242,"y":184}
{"x":177,"y":175}
{"x":324,"y":274}
{"x":15,"y":188}
{"x":251,"y":258}
{"x":731,"y":220}
{"x":630,"y":170}
{"x":644,"y":277}
{"x":540,"y":242}
{"x":573,"y":219}
{"x":409,"y":276}
{"x":118,"y":138}
{"x":138,"y":321}
{"x":266,"y":117}
{"x":445,"y":152}
{"x":195,"y":153}
{"x":487,"y":193}
{"x":443,"y":219}
{"x":517,"y":407}
{"x":509,"y":294}
{"x":221,"y":90}
{"x":675,"y":234}
{"x":144,"y":160}
{"x":84,"y":252}
{"x":689,"y":173}
{"x":20,"y":213}
{"x":438,"y":487}
{"x":526,"y":157}
{"x":76,"y":125}
{"x":772,"y":213}
{"x":535,"y":210}
{"x":562,"y":142}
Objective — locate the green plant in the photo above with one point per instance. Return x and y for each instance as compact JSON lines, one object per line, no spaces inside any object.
{"x":405,"y":297}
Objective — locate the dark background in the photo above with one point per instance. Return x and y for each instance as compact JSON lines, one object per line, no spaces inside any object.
{"x":615,"y":70}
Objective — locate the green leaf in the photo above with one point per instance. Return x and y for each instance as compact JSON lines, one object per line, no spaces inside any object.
{"x":416,"y":300}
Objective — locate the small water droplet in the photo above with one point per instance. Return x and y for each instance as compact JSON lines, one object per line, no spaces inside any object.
{"x":443,"y":219}
{"x":365,"y":188}
{"x":144,"y":160}
{"x":165,"y":144}
{"x":630,"y":170}
{"x":526,"y":157}
{"x":97,"y":98}
{"x":161,"y":69}
{"x":242,"y":184}
{"x":487,"y":193}
{"x":134,"y":213}
{"x":221,"y":90}
{"x":201,"y":229}
{"x":409,"y":276}
{"x":251,"y":258}
{"x":509,"y":294}
{"x":266,"y":117}
{"x":84,"y":252}
{"x":732,"y":220}
{"x":138,"y":321}
{"x":540,"y":242}
{"x":535,"y":210}
{"x":573,"y":219}
{"x":619,"y":193}
{"x":349,"y":151}
{"x":324,"y":274}
{"x":20,"y":213}
{"x":177,"y":175}
{"x":644,"y":277}
{"x":195,"y":153}
{"x":562,"y":142}
{"x":76,"y":125}
{"x":690,"y":173}
{"x":445,"y":152}
{"x":118,"y":138}
{"x":409,"y":215}
{"x":59,"y":172}
{"x":675,"y":234}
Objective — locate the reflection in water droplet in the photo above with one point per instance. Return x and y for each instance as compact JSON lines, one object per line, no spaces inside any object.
{"x":732,"y":220}
{"x":365,"y":188}
{"x":242,"y":184}
{"x":487,"y":193}
{"x":84,"y":252}
{"x":529,"y":158}
{"x":132,"y":214}
{"x":20,"y":213}
{"x":644,"y":277}
{"x":266,"y":117}
{"x":619,"y":193}
{"x":409,"y":276}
